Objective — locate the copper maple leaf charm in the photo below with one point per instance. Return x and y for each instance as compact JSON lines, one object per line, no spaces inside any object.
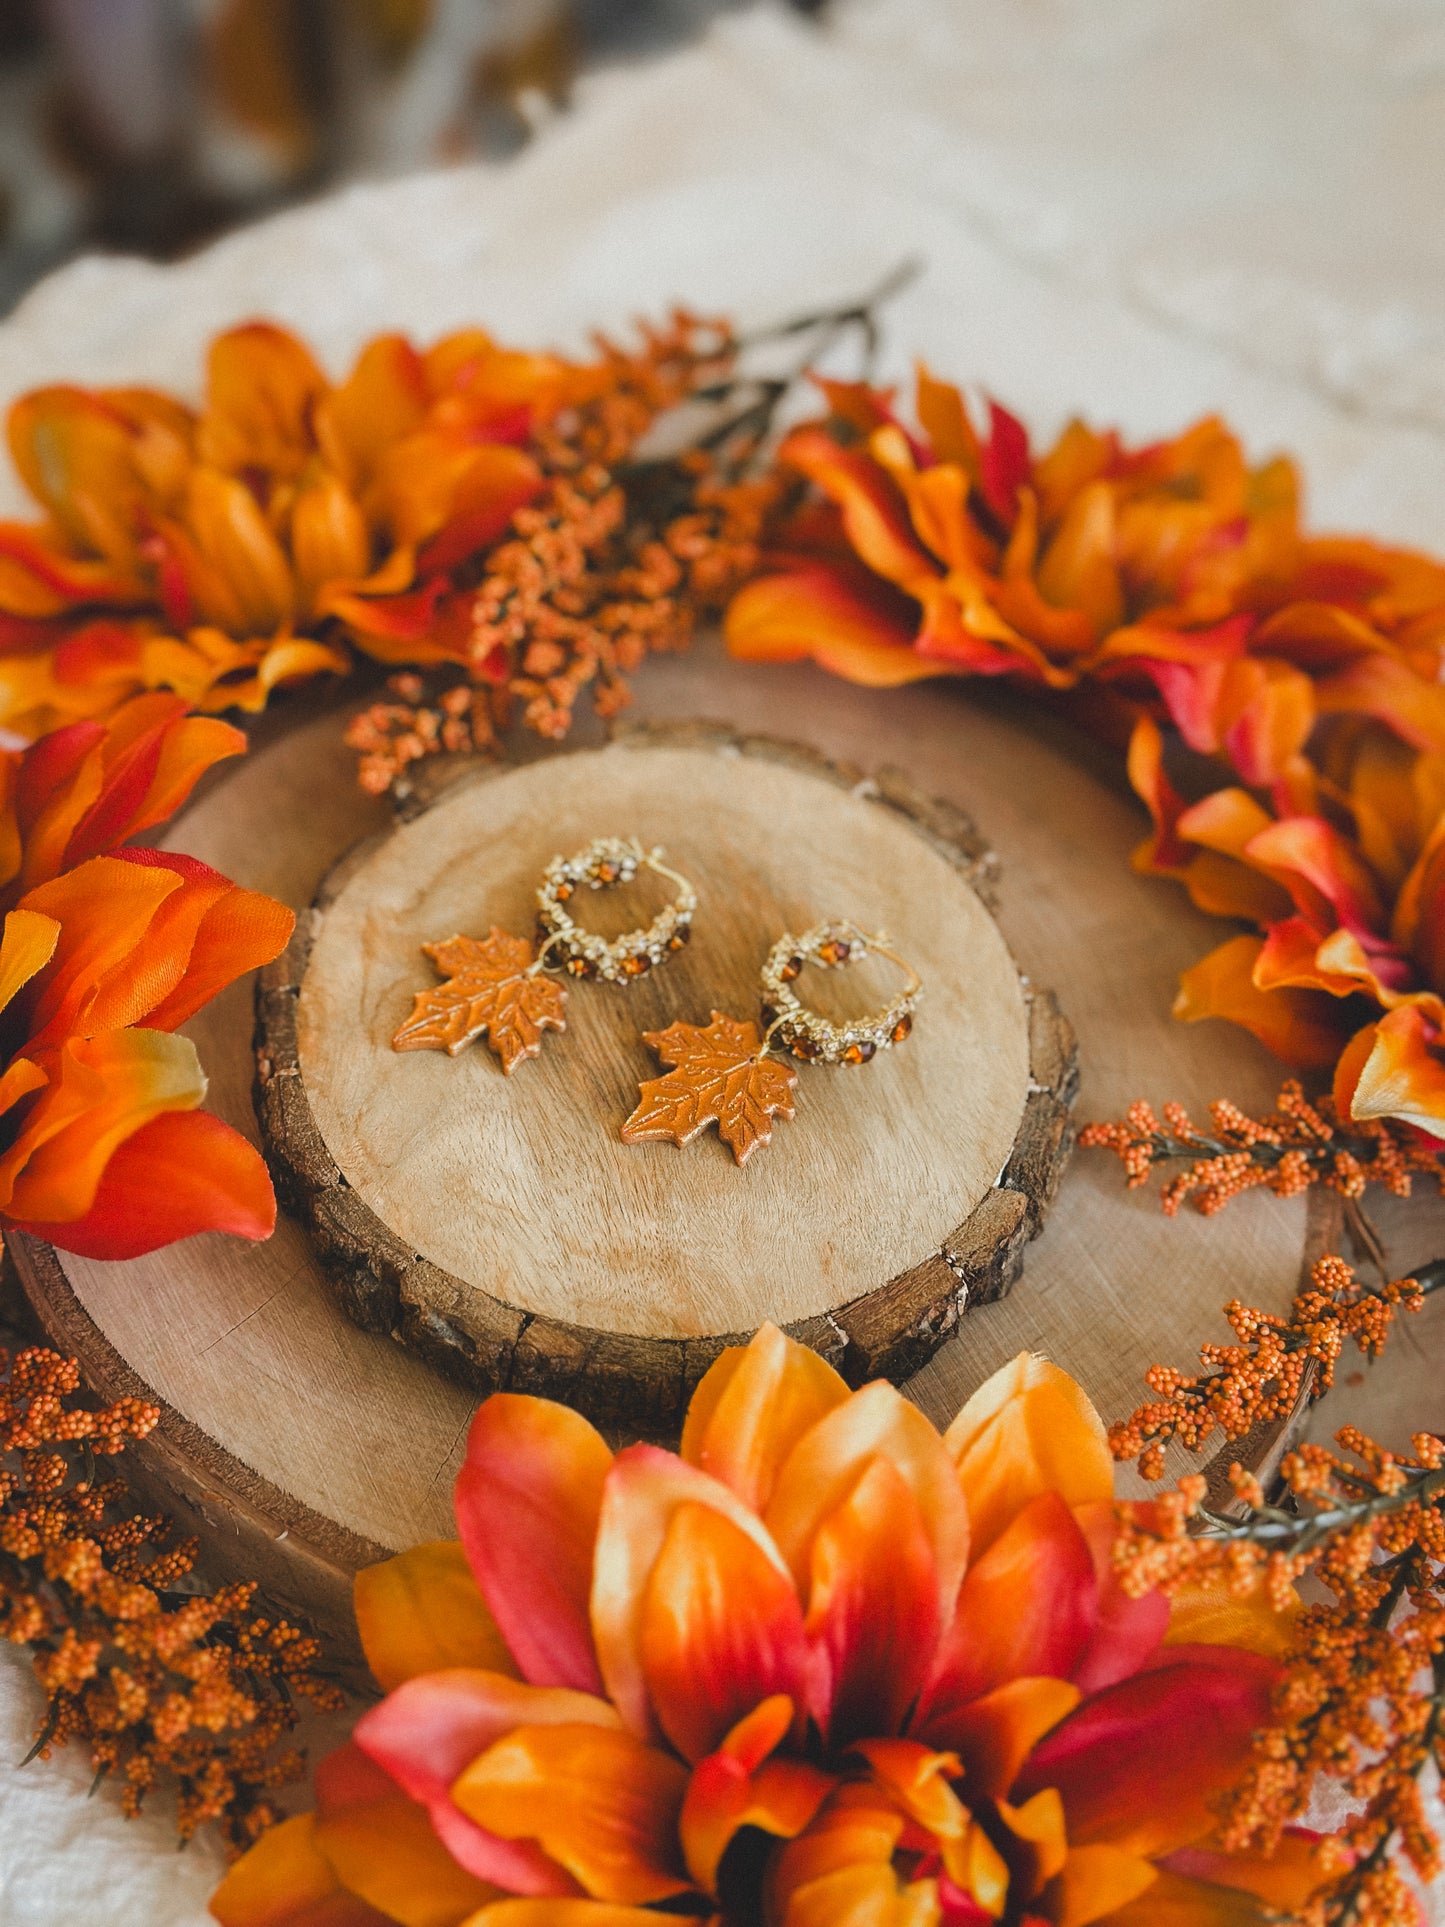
{"x":490,"y":987}
{"x":720,"y":1077}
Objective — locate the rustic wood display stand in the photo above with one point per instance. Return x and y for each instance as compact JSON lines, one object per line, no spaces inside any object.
{"x":501,"y":1229}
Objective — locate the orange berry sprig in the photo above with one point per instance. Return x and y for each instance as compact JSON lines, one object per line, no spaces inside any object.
{"x":1275,"y":1361}
{"x":1361,"y":1697}
{"x":1301,"y":1143}
{"x":162,"y":1686}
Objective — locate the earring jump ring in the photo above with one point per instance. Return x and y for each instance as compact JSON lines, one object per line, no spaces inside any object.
{"x":605,"y":863}
{"x":805,"y":1032}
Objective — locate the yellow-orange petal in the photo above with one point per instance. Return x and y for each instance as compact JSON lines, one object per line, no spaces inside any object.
{"x":863,"y":1897}
{"x":752,"y":1406}
{"x":1173,"y":1901}
{"x":382,"y":399}
{"x":721,"y":1630}
{"x":1095,"y":1882}
{"x":824,"y":1466}
{"x":422,"y":1613}
{"x":26,"y":947}
{"x":1215,"y":1616}
{"x":387,"y":1853}
{"x":286,"y":1881}
{"x":1301,"y":1026}
{"x":1028,"y":1430}
{"x":567,"y":1913}
{"x":1404,"y":1074}
{"x":596,"y":1800}
{"x":994,"y":1735}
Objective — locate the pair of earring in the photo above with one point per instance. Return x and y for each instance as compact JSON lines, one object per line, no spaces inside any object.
{"x":726,"y":1072}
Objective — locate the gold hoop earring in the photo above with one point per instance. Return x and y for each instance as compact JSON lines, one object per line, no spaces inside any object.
{"x":728,"y":1073}
{"x":498,"y":983}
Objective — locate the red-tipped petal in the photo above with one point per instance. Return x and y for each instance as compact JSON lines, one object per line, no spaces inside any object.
{"x":722,"y":1629}
{"x":1028,"y":1607}
{"x":645,"y":1488}
{"x":873,"y":1612}
{"x":528,"y":1501}
{"x":1139,"y":1764}
{"x":183,"y":1173}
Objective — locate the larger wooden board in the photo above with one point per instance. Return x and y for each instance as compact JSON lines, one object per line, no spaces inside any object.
{"x":289,"y":1426}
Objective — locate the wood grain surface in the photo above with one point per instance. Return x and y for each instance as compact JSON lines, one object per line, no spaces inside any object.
{"x":502,"y":1228}
{"x":340,"y":1426}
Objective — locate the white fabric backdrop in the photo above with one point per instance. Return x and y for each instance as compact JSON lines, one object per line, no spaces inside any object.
{"x":1143,"y":209}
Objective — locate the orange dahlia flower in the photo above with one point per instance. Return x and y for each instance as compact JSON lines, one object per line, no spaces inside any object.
{"x":820,"y":1668}
{"x":220,"y":553}
{"x":1172,"y":578}
{"x":103,"y":953}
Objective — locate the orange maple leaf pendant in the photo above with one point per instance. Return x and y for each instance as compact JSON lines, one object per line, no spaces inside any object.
{"x":493,"y":984}
{"x":721,"y":1075}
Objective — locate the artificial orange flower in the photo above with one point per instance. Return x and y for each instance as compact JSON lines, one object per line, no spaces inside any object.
{"x":1172,"y":578}
{"x":103,"y":953}
{"x":823,"y":1667}
{"x":220,"y":553}
{"x":1345,"y":882}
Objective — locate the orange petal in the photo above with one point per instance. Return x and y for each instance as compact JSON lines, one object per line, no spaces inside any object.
{"x":1284,"y":1879}
{"x":993,"y":1736}
{"x":1028,"y":1607}
{"x":1300,"y":1026}
{"x":286,"y":1881}
{"x":185,"y":1172}
{"x":873,"y":1608}
{"x":739,"y":1787}
{"x":1172,"y":1901}
{"x":103,"y":1089}
{"x":238,"y":573}
{"x":752,"y":1406}
{"x":261,"y":386}
{"x":1404,"y":1074}
{"x":422,"y":1613}
{"x":1380,"y":686}
{"x":1140,"y":1764}
{"x":596,"y":1800}
{"x":1028,"y":1430}
{"x":875,"y":517}
{"x":104,"y":908}
{"x":383,"y":399}
{"x":1322,"y":870}
{"x":824,"y":1466}
{"x":862,"y":1897}
{"x":645,"y":1488}
{"x":330,"y":541}
{"x":235,"y":931}
{"x":721,"y":1630}
{"x":944,"y":417}
{"x":849,"y":624}
{"x":1094,"y":1882}
{"x":528,"y":1500}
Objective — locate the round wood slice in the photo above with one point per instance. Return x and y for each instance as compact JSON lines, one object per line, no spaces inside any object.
{"x":500,"y":1227}
{"x":300,"y":1446}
